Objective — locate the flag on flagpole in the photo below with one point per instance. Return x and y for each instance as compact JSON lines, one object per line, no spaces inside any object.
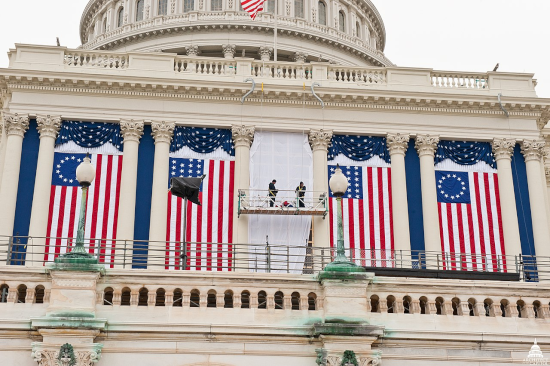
{"x":253,"y":7}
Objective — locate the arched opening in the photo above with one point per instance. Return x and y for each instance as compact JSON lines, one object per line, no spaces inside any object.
{"x":520,"y":304}
{"x":455,"y":302}
{"x":374,"y":304}
{"x":228,"y":299}
{"x":211,"y":299}
{"x":143,"y":297}
{"x":120,"y":17}
{"x":295,"y":301}
{"x":139,"y":10}
{"x":279,"y":300}
{"x":423,"y":305}
{"x":341,"y":21}
{"x":245,"y":300}
{"x":322,"y":13}
{"x":39,"y":292}
{"x":536,"y":309}
{"x":439,"y":306}
{"x":195,"y":299}
{"x":391,"y":304}
{"x":504,"y":308}
{"x":163,"y":7}
{"x":4,"y":289}
{"x":407,"y":303}
{"x":472,"y":307}
{"x":488,"y":305}
{"x":108,"y":296}
{"x":262,"y":300}
{"x":21,"y":294}
{"x":299,"y":8}
{"x":125,"y":297}
{"x":178,"y":298}
{"x":216,"y":5}
{"x":161,"y":297}
{"x":312,"y":301}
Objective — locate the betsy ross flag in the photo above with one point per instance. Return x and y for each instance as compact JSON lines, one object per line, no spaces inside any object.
{"x":208,"y":225}
{"x":253,"y":7}
{"x":367,"y":215}
{"x":101,"y":211}
{"x":470,"y":220}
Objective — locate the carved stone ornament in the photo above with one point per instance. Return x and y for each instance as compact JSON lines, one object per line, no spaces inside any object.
{"x":300,"y":57}
{"x":265,"y":53}
{"x":66,"y":355}
{"x":547,"y":174}
{"x":229,"y":50}
{"x":163,"y":131}
{"x":192,"y":50}
{"x":242,"y":135}
{"x":16,"y":124}
{"x":532,"y":149}
{"x":320,"y":139}
{"x":321,"y":357}
{"x":426,"y":144}
{"x":131,"y":130}
{"x":503,"y":148}
{"x":48,"y":126}
{"x":173,"y":7}
{"x":397,"y":143}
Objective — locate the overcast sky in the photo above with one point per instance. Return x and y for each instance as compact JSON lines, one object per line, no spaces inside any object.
{"x":458,"y":35}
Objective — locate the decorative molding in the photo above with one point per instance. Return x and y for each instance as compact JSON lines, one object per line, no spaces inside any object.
{"x":45,"y":355}
{"x":192,"y":50}
{"x":320,"y":139}
{"x":300,"y":57}
{"x":265,"y":53}
{"x":503,"y":148}
{"x":532,"y":149}
{"x":131,"y":130}
{"x":48,"y":126}
{"x":16,"y":124}
{"x":397,"y":143}
{"x":426,"y":144}
{"x":242,"y":135}
{"x":163,"y":131}
{"x":229,"y":50}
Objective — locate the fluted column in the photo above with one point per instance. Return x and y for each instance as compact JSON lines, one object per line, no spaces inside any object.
{"x":131,"y":131}
{"x":544,"y":157}
{"x":3,"y":141}
{"x":320,"y":141}
{"x":16,"y":126}
{"x":532,"y":151}
{"x":397,"y":146}
{"x":162,"y":133}
{"x":426,"y":146}
{"x":503,"y":150}
{"x":242,"y":138}
{"x":48,"y":127}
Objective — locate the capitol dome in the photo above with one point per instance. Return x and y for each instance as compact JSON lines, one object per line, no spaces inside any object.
{"x":343,"y":32}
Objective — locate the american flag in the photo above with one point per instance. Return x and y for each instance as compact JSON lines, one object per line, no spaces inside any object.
{"x":101,"y":211}
{"x":470,"y":220}
{"x":367,"y":215}
{"x":212,"y":222}
{"x":253,"y":7}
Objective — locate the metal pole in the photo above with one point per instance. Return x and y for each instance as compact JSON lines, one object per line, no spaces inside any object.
{"x":287,"y":259}
{"x":79,"y":246}
{"x":275,"y":32}
{"x":183,"y":257}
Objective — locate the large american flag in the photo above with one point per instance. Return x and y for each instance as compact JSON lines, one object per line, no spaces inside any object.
{"x":470,"y":220}
{"x":101,"y":211}
{"x":253,"y":7}
{"x":367,"y":215}
{"x":211,"y":222}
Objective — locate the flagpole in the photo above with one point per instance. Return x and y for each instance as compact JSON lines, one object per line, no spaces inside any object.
{"x":275,"y":31}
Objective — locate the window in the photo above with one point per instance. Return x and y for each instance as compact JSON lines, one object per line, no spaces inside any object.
{"x":139,"y":10}
{"x":299,"y":8}
{"x":358,"y":30}
{"x":322,"y":13}
{"x":108,"y":296}
{"x":120,"y":20}
{"x":188,"y":5}
{"x":163,"y":7}
{"x":216,"y":5}
{"x":105,"y":25}
{"x":270,"y":6}
{"x":341,"y":21}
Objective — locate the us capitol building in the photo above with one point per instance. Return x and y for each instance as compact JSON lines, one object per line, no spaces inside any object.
{"x":430,"y":245}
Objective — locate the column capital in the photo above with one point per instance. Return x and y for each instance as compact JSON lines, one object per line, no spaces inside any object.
{"x":16,"y":124}
{"x":300,"y":57}
{"x":48,"y":126}
{"x":229,"y":50}
{"x":320,"y":139}
{"x":532,"y":149}
{"x":131,"y":130}
{"x":397,"y":143}
{"x":192,"y":50}
{"x":426,"y":144}
{"x":265,"y":53}
{"x":243,"y":135}
{"x":163,"y":131}
{"x":503,"y":148}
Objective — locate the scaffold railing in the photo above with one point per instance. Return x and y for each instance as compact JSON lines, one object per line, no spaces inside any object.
{"x":282,"y":202}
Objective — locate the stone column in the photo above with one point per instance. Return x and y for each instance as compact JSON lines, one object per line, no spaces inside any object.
{"x":228,"y":50}
{"x":532,"y":151}
{"x":503,"y":150}
{"x":48,"y":127}
{"x":242,"y":137}
{"x":131,"y":131}
{"x":426,"y":146}
{"x":397,"y":146}
{"x":16,"y":126}
{"x":162,"y":133}
{"x":3,"y":141}
{"x":320,"y":141}
{"x":544,"y":157}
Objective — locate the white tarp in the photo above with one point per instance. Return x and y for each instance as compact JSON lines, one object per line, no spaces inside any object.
{"x":286,"y":157}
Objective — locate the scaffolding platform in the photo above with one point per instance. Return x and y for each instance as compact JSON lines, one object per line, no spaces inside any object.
{"x":286,"y":202}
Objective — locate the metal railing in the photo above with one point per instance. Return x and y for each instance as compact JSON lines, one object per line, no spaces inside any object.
{"x":265,"y":258}
{"x":287,"y":202}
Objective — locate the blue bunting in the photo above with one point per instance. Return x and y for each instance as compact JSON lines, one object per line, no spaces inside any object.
{"x":465,"y":152}
{"x":202,"y":140}
{"x":359,"y":148}
{"x":89,"y":134}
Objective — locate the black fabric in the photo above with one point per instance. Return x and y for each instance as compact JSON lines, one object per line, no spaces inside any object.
{"x":301,"y":191}
{"x":187,"y":188}
{"x":272,"y":190}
